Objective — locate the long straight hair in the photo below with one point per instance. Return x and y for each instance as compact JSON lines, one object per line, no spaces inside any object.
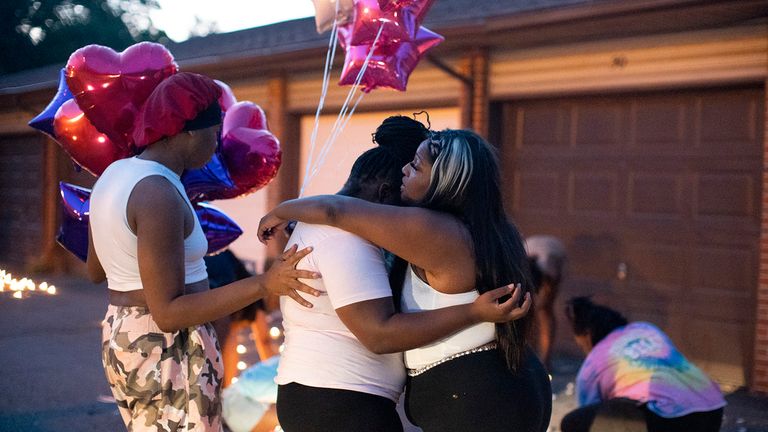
{"x":465,"y":182}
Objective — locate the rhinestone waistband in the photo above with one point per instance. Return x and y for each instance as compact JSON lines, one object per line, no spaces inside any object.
{"x":487,"y":347}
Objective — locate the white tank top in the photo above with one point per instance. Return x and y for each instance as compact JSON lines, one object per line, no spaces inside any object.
{"x":419,"y":296}
{"x":113,"y":239}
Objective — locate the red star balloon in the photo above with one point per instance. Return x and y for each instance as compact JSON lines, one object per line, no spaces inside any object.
{"x":390,"y":65}
{"x":418,"y":8}
{"x":396,"y":25}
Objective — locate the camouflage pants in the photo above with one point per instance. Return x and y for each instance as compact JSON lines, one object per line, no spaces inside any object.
{"x":169,"y":382}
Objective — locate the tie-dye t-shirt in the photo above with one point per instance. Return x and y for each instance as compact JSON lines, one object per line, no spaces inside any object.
{"x":639,"y":362}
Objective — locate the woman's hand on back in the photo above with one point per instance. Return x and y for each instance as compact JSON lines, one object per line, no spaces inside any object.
{"x":282,"y":278}
{"x":486,"y":307}
{"x":269,"y":225}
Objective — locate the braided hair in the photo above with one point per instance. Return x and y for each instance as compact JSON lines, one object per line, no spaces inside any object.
{"x":397,"y":137}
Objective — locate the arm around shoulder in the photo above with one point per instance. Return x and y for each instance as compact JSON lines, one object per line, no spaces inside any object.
{"x":413,"y":233}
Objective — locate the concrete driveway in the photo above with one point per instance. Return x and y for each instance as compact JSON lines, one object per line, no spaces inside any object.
{"x":51,"y":378}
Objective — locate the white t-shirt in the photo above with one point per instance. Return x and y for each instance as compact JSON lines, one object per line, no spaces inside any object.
{"x":319,"y":349}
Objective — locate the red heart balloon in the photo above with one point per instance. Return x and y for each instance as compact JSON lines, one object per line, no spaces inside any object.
{"x":110,"y":87}
{"x":250,"y":152}
{"x":90,"y":148}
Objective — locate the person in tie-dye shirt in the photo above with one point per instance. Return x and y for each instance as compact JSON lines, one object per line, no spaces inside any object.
{"x":635,"y":366}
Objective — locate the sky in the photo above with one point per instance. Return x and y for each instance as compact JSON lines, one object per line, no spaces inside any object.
{"x":177,"y":17}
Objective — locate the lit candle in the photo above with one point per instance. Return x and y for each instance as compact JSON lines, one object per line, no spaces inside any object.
{"x":18,"y":286}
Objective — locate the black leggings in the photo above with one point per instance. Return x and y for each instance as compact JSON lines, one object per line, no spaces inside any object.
{"x":302,"y":408}
{"x":627,"y":415}
{"x":477,"y":392}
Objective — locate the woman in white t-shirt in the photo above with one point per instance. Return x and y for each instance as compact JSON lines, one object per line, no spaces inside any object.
{"x":459,"y":244}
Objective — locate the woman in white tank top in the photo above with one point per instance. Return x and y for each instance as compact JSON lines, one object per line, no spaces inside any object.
{"x":456,"y":237}
{"x":160,"y":353}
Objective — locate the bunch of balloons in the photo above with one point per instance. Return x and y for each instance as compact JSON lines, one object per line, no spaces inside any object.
{"x":92,"y":117}
{"x":382,"y":38}
{"x":383,"y":41}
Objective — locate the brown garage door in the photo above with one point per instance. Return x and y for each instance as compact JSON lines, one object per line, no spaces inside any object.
{"x":21,"y":199}
{"x":657,"y":197}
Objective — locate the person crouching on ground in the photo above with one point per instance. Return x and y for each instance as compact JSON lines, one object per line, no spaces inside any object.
{"x":634,"y":370}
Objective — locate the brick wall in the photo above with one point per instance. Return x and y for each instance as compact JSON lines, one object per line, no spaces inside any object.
{"x":760,"y":371}
{"x":21,"y":186}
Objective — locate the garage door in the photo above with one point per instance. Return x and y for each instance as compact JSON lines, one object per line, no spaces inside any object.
{"x":657,"y":197}
{"x":21,"y":192}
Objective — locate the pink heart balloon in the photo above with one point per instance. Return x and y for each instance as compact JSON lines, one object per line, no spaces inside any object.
{"x":90,"y":148}
{"x":110,"y":87}
{"x":244,"y":114}
{"x":250,"y":152}
{"x":227,"y":98}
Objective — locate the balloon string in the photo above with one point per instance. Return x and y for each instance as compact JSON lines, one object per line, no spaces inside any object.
{"x":335,"y":131}
{"x":343,"y":125}
{"x":359,"y":98}
{"x":344,"y":118}
{"x":330,"y":55}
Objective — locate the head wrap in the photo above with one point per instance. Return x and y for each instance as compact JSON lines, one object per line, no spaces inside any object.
{"x":184,"y":101}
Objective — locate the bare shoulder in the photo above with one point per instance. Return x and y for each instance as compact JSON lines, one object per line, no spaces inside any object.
{"x":444,"y":229}
{"x":439,"y":221}
{"x":437,"y":242}
{"x":154,"y":195}
{"x":420,"y":218}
